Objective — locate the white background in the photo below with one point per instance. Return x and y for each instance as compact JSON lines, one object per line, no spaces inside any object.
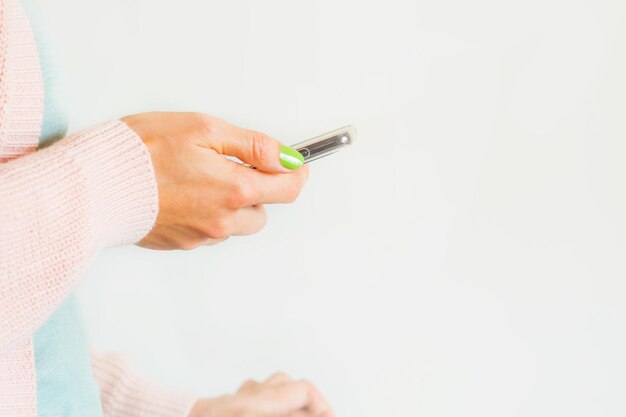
{"x":465,"y":258}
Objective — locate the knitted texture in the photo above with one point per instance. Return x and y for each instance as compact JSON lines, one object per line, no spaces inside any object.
{"x":21,"y":86}
{"x":58,"y":207}
{"x":21,"y":113}
{"x":17,"y":382}
{"x":126,"y":393}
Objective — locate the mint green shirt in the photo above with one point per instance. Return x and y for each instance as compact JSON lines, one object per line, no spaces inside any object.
{"x":65,"y":382}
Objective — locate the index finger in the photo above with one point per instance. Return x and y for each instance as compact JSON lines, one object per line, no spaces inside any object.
{"x":266,"y":188}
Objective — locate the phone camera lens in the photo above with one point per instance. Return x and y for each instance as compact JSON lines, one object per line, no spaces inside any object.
{"x":305,"y":152}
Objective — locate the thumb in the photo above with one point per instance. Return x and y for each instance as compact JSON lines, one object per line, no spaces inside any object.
{"x":260,"y":150}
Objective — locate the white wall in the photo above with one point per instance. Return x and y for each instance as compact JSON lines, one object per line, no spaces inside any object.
{"x":465,"y":258}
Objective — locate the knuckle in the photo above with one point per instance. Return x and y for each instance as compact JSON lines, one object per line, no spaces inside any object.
{"x":219,"y":228}
{"x":187,"y":245}
{"x":204,"y":123}
{"x":241,"y":194}
{"x":311,"y":392}
{"x":307,"y":387}
{"x":279,"y":378}
{"x":214,"y":231}
{"x":211,"y":242}
{"x":248,"y":384}
{"x":199,"y":119}
{"x":257,"y":143}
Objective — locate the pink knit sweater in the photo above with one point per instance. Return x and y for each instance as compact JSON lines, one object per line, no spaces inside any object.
{"x":58,"y":207}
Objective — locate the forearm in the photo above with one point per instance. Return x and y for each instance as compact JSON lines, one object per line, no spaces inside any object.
{"x":58,"y":207}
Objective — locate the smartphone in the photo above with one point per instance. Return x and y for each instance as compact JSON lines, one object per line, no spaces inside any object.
{"x":319,"y":146}
{"x":326,"y":144}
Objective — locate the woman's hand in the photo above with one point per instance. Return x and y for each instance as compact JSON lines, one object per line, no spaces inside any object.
{"x":279,"y":396}
{"x":203,"y":197}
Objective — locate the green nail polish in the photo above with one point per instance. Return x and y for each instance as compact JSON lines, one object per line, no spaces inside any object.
{"x":290,"y":158}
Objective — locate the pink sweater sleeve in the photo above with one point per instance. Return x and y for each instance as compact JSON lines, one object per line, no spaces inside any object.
{"x":58,"y":207}
{"x":125,"y":393}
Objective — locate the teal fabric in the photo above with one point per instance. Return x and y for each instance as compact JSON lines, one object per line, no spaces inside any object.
{"x":65,"y":382}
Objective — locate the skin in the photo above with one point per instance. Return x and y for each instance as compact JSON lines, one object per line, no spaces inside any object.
{"x":205,"y":198}
{"x":278,"y":396}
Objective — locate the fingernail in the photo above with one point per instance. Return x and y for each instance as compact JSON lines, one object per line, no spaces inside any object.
{"x":290,"y":158}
